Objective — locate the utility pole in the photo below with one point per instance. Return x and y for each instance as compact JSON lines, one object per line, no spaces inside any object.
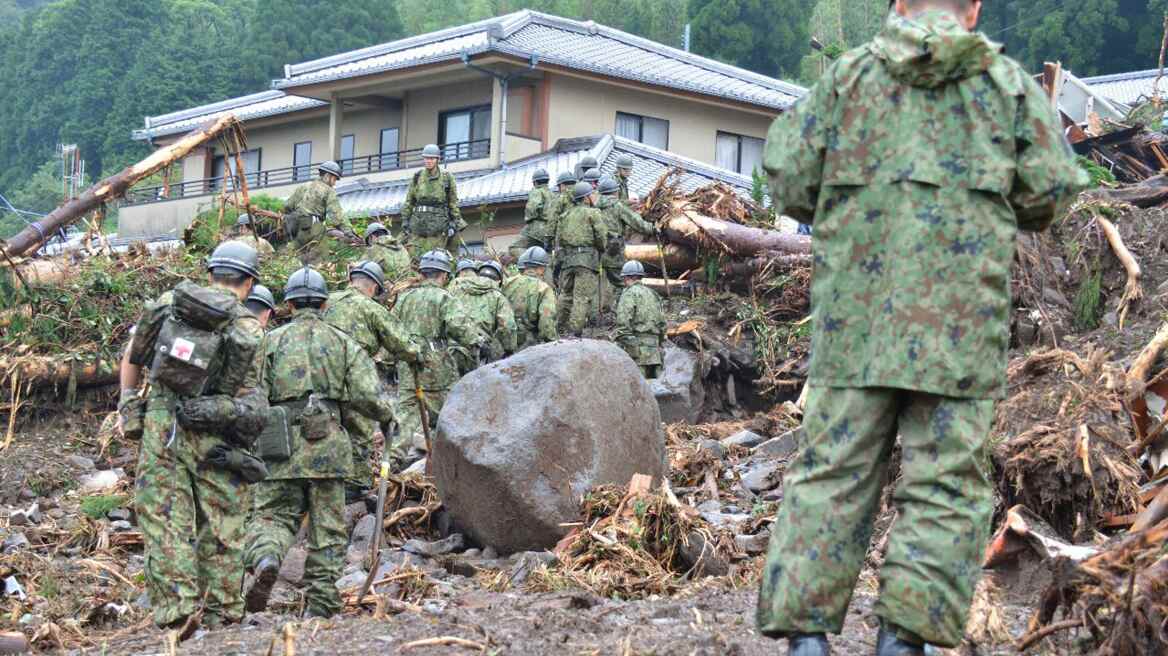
{"x":685,"y":38}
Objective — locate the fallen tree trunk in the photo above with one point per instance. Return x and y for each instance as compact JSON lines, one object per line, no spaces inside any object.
{"x":116,"y":186}
{"x":1141,"y":368}
{"x":703,"y":232}
{"x":1149,"y":193}
{"x":755,"y":265}
{"x":677,"y":257}
{"x":658,"y":285}
{"x":44,"y":371}
{"x":38,"y":272}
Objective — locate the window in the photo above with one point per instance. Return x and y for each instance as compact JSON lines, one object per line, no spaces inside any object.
{"x":348,"y":152}
{"x":649,"y":131}
{"x":739,"y":153}
{"x":251,"y":167}
{"x":389,"y":148}
{"x":302,"y":160}
{"x":458,"y":128}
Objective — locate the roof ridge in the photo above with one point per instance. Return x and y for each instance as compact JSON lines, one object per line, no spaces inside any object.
{"x":229,"y":103}
{"x":690,"y":164}
{"x":1119,"y":77}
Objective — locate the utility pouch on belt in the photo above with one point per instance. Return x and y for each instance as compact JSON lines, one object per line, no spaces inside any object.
{"x":429,"y":220}
{"x":133,"y":413}
{"x":316,"y":420}
{"x":274,"y":444}
{"x":190,"y":338}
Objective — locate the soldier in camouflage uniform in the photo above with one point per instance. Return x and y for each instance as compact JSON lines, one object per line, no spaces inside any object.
{"x":565,"y":183}
{"x":540,"y":203}
{"x":621,"y":223}
{"x":436,"y":318}
{"x":261,"y":304}
{"x":464,"y":274}
{"x":483,"y":301}
{"x":384,"y":249}
{"x":580,"y":238}
{"x":313,"y":217}
{"x":316,"y":373}
{"x":586,"y":162}
{"x":640,"y":321}
{"x":917,"y":156}
{"x":190,"y":494}
{"x":354,"y":312}
{"x":430,"y":215}
{"x":245,"y":232}
{"x":532,"y":300}
{"x":624,"y":170}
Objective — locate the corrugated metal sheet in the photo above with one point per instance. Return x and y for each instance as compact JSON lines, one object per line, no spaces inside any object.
{"x":247,"y":108}
{"x":1126,"y":88}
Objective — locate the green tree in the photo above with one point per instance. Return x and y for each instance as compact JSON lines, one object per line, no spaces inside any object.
{"x":765,"y":36}
{"x":40,"y":192}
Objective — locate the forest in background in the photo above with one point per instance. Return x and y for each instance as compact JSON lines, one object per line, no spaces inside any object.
{"x":88,"y":71}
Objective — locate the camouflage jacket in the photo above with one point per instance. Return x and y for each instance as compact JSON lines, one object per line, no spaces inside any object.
{"x":370,"y":324}
{"x":491,"y":311}
{"x":436,"y":318}
{"x":640,"y":324}
{"x":534,"y":304}
{"x":391,"y":256}
{"x":561,"y":203}
{"x":580,"y":237}
{"x":541,"y":203}
{"x":318,"y":199}
{"x":622,"y":184}
{"x":306,"y":357}
{"x":918,"y":156}
{"x":622,"y":221}
{"x":431,"y":205}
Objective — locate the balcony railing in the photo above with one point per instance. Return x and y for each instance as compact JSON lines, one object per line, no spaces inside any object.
{"x":402,"y":159}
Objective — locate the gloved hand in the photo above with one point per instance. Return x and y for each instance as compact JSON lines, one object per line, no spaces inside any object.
{"x":206,"y":413}
{"x":449,"y":232}
{"x":250,"y":468}
{"x":614,"y":247}
{"x":484,"y":352}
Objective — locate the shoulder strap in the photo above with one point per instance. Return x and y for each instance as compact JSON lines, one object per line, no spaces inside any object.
{"x":418,"y":175}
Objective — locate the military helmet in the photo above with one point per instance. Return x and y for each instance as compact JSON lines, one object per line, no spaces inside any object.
{"x":243,"y":220}
{"x":624,"y":162}
{"x":374,"y":229}
{"x":581,"y":190}
{"x":633,"y":269}
{"x":493,"y":266}
{"x":305,"y":283}
{"x":540,"y":176}
{"x":591,"y":175}
{"x":330,"y":167}
{"x":431,"y":150}
{"x":237,"y":256}
{"x":587,"y":162}
{"x":369,"y":269}
{"x":534,"y":256}
{"x":607,"y":185}
{"x":565,"y":177}
{"x":263,"y":296}
{"x":435,"y":260}
{"x":464,"y":264}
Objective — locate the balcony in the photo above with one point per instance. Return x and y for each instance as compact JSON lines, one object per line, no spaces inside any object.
{"x":395,"y":161}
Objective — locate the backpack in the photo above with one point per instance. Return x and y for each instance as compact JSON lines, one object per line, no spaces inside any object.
{"x":188,"y":348}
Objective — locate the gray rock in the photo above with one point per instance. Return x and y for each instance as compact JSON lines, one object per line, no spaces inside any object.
{"x":1110,"y":319}
{"x":1163,"y":288}
{"x":701,"y":557}
{"x":748,"y":439}
{"x":419,"y":467}
{"x":753,"y":544}
{"x":362,"y":535}
{"x":143,"y":601}
{"x":292,"y":567}
{"x":80,"y":462}
{"x":527,"y":562}
{"x":761,"y":476}
{"x":15,"y":542}
{"x":395,"y":559}
{"x":122,"y":514}
{"x":121,"y":526}
{"x":679,"y":390}
{"x":779,"y":447}
{"x":1055,"y":297}
{"x":490,"y":553}
{"x":352,"y":580}
{"x":714,"y":447}
{"x":710,"y":506}
{"x":28,"y":517}
{"x":353,"y":512}
{"x":519,"y":441}
{"x":724,"y":520}
{"x":12,"y":588}
{"x":98,"y":481}
{"x":472,"y":553}
{"x":431,"y":549}
{"x":56,"y":513}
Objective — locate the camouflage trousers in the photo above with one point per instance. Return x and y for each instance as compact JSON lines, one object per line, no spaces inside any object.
{"x":523,"y":243}
{"x":411,"y":434}
{"x":831,"y":493}
{"x":280,"y":506}
{"x":361,"y":430}
{"x":192,"y":517}
{"x":419,"y":246}
{"x":612,"y":284}
{"x":579,"y":287}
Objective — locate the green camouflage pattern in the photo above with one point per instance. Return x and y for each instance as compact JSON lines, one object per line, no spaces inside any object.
{"x":534,"y":303}
{"x":489,"y":308}
{"x":192,"y":514}
{"x":561,"y":203}
{"x":391,"y":256}
{"x":579,"y":294}
{"x":425,"y":231}
{"x":280,"y":507}
{"x":831,"y":495}
{"x":581,"y":236}
{"x":918,"y":156}
{"x":317,"y":198}
{"x":541,"y":203}
{"x":640,"y":326}
{"x":621,"y":222}
{"x":309,"y":356}
{"x":622,"y":184}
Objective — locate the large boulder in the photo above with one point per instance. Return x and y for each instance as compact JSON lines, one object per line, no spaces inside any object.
{"x":521,"y":440}
{"x":679,"y":391}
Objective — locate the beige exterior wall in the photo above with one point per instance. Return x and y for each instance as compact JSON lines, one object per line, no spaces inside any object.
{"x":518,"y":147}
{"x":581,"y":107}
{"x":423,"y":106}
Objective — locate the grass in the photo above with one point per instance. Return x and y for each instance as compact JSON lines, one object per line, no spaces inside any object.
{"x":1089,"y":301}
{"x":98,"y":506}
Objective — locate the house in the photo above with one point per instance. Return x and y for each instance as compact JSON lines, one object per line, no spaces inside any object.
{"x":500,"y":96}
{"x":1127,"y":89}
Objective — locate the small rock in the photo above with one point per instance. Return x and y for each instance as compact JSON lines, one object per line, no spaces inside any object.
{"x":1055,"y":297}
{"x":432,"y":549}
{"x":12,"y":588}
{"x":352,"y":580}
{"x":1163,"y":288}
{"x":27,"y":493}
{"x":526,"y":563}
{"x":490,"y":553}
{"x":119,"y":514}
{"x":748,"y":439}
{"x":762,"y":476}
{"x":711,"y":506}
{"x":362,"y":535}
{"x":1110,"y":319}
{"x":143,"y":601}
{"x":98,"y":481}
{"x":700,"y":555}
{"x":26,"y":517}
{"x":15,"y":542}
{"x":723,"y":520}
{"x":396,"y":558}
{"x":753,"y":544}
{"x":714,"y":447}
{"x":121,"y":526}
{"x":418,"y":467}
{"x":56,"y":513}
{"x":472,"y":553}
{"x":773,"y":495}
{"x":779,"y":447}
{"x":80,"y":462}
{"x":354,"y":512}
{"x":292,"y":568}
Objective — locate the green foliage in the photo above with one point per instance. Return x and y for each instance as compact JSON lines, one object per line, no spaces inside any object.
{"x":766,"y":36}
{"x":98,"y":506}
{"x":1099,"y":175}
{"x":1089,"y":301}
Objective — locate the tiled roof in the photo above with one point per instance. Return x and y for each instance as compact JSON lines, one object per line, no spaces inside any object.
{"x":1127,"y":88}
{"x":245,"y":108}
{"x":543,"y":38}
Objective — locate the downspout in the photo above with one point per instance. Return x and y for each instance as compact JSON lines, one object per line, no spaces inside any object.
{"x":505,"y":83}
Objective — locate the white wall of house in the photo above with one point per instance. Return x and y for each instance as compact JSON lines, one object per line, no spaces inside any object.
{"x":424,"y":105}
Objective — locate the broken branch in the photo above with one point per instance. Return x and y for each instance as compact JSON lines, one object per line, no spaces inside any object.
{"x":1132,"y":291}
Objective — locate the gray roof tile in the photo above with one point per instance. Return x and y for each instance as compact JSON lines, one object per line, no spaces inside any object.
{"x":1126,"y":88}
{"x":246,"y":108}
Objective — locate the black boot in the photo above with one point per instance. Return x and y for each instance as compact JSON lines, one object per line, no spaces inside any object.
{"x":887,"y":644}
{"x":808,"y":644}
{"x":266,"y":571}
